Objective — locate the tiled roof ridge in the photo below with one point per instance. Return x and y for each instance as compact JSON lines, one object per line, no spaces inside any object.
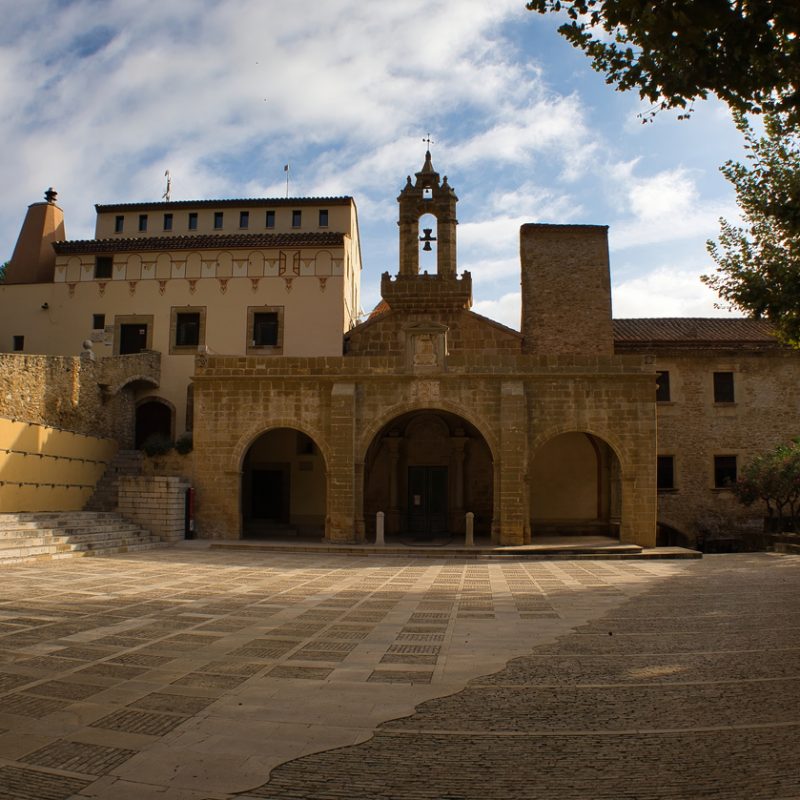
{"x":693,"y":329}
{"x":204,"y":241}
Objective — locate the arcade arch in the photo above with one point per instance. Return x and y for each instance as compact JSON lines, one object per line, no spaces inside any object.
{"x":425,"y":470}
{"x":575,"y":487}
{"x":284,"y":485}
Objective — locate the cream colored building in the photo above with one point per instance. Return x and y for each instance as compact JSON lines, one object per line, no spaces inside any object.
{"x":262,"y":276}
{"x":427,"y":411}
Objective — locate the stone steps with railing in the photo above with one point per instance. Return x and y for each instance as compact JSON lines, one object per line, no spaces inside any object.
{"x":50,"y":535}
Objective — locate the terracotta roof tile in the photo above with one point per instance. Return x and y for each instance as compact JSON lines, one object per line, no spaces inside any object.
{"x":693,"y":331}
{"x":200,"y":242}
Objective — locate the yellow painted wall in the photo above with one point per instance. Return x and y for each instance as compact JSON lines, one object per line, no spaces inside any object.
{"x":47,"y":469}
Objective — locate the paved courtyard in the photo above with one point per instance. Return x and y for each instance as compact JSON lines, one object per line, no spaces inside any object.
{"x":196,"y":674}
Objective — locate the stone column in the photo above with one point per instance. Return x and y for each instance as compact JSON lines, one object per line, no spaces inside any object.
{"x":511,"y":503}
{"x":341,"y":483}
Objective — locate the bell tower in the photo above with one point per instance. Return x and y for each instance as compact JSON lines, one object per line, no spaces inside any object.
{"x":444,"y":290}
{"x":428,"y":196}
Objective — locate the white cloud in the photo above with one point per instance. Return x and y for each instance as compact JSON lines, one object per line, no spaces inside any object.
{"x":665,"y":292}
{"x":505,"y":310}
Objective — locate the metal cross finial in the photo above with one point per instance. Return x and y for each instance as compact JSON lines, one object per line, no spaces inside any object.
{"x":428,"y":140}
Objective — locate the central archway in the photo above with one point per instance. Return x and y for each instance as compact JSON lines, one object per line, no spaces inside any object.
{"x":425,"y":470}
{"x":284,"y":490}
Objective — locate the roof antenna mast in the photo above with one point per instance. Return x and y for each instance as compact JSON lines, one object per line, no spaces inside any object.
{"x":168,"y":190}
{"x":286,"y":170}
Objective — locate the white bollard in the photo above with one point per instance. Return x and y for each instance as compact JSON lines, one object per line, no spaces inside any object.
{"x":379,"y":541}
{"x":470,"y":539}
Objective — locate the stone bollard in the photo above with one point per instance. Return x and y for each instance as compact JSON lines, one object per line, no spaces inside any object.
{"x":470,"y":540}
{"x":379,"y":541}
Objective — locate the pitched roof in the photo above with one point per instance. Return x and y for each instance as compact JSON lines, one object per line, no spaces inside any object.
{"x":251,"y":202}
{"x":201,"y":242}
{"x":712,"y":332}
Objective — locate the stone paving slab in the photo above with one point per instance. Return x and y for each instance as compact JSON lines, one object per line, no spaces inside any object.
{"x":197,"y":674}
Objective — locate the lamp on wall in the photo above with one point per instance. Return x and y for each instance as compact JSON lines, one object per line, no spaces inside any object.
{"x":45,"y":306}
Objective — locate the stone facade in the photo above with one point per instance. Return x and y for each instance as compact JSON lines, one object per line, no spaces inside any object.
{"x":157,"y":503}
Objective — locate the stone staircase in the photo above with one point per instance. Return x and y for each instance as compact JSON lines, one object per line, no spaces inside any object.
{"x":106,"y":493}
{"x":42,"y":536}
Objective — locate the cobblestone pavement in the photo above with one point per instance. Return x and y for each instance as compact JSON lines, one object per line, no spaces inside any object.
{"x":200,"y":675}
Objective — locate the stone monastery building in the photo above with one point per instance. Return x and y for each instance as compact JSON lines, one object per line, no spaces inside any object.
{"x":304,"y":419}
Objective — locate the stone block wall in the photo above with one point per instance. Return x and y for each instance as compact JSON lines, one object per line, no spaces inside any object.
{"x":566,"y":289}
{"x":157,"y":503}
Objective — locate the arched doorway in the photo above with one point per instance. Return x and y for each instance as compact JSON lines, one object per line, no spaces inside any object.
{"x":154,"y":418}
{"x":425,"y":470}
{"x":283,"y":486}
{"x":575,"y":487}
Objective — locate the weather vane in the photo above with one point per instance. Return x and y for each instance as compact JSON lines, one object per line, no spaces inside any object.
{"x":428,"y":140}
{"x":168,"y":190}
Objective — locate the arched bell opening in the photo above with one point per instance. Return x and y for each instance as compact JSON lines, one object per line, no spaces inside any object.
{"x":575,"y":487}
{"x":284,"y":486}
{"x":428,"y":239}
{"x":155,"y":419}
{"x":425,"y":470}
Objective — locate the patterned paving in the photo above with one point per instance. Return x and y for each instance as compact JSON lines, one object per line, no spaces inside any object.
{"x":109,"y":661}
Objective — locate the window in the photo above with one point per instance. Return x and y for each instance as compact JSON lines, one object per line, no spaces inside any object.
{"x":217,"y":220}
{"x":119,"y":224}
{"x":19,"y":344}
{"x":98,"y":322}
{"x":142,"y":223}
{"x":270,"y":219}
{"x":723,"y":387}
{"x":662,"y":387}
{"x":103,"y":266}
{"x":724,"y":471}
{"x":665,"y":472}
{"x":192,"y":220}
{"x":244,"y":219}
{"x":297,"y":218}
{"x":167,"y":222}
{"x":265,"y":330}
{"x":323,"y":218}
{"x":187,"y":329}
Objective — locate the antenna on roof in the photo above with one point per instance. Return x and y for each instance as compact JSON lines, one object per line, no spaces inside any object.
{"x":286,"y":170}
{"x":168,"y":190}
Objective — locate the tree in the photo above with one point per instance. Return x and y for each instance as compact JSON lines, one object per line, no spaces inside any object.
{"x":3,"y":272}
{"x":774,"y":478}
{"x":758,"y":265}
{"x":747,"y":52}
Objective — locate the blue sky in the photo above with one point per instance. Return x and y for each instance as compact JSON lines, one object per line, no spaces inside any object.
{"x":99,"y":97}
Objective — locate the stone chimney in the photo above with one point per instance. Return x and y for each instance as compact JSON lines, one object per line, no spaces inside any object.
{"x":566,"y":290}
{"x":34,"y":259}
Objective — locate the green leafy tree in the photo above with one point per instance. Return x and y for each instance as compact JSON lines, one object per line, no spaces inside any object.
{"x":747,"y":52}
{"x":773,"y":478}
{"x":3,"y":272}
{"x":758,"y":264}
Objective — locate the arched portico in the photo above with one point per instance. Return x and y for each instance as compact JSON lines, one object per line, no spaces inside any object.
{"x":283,"y":485}
{"x":575,"y":486}
{"x":425,"y":469}
{"x":155,"y":416}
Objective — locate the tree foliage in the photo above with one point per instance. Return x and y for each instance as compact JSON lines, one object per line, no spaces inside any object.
{"x":773,"y":478}
{"x":3,"y":272}
{"x":758,"y":265}
{"x":747,"y":52}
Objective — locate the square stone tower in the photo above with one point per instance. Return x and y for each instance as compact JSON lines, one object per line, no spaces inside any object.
{"x":566,"y":290}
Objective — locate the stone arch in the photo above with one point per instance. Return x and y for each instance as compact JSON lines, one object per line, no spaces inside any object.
{"x":575,"y":484}
{"x":154,"y":416}
{"x":244,"y":442}
{"x":283,"y":486}
{"x":425,"y":469}
{"x":392,"y":412}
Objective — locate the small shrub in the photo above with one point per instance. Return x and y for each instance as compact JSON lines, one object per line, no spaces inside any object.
{"x":157,"y":444}
{"x":184,"y":443}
